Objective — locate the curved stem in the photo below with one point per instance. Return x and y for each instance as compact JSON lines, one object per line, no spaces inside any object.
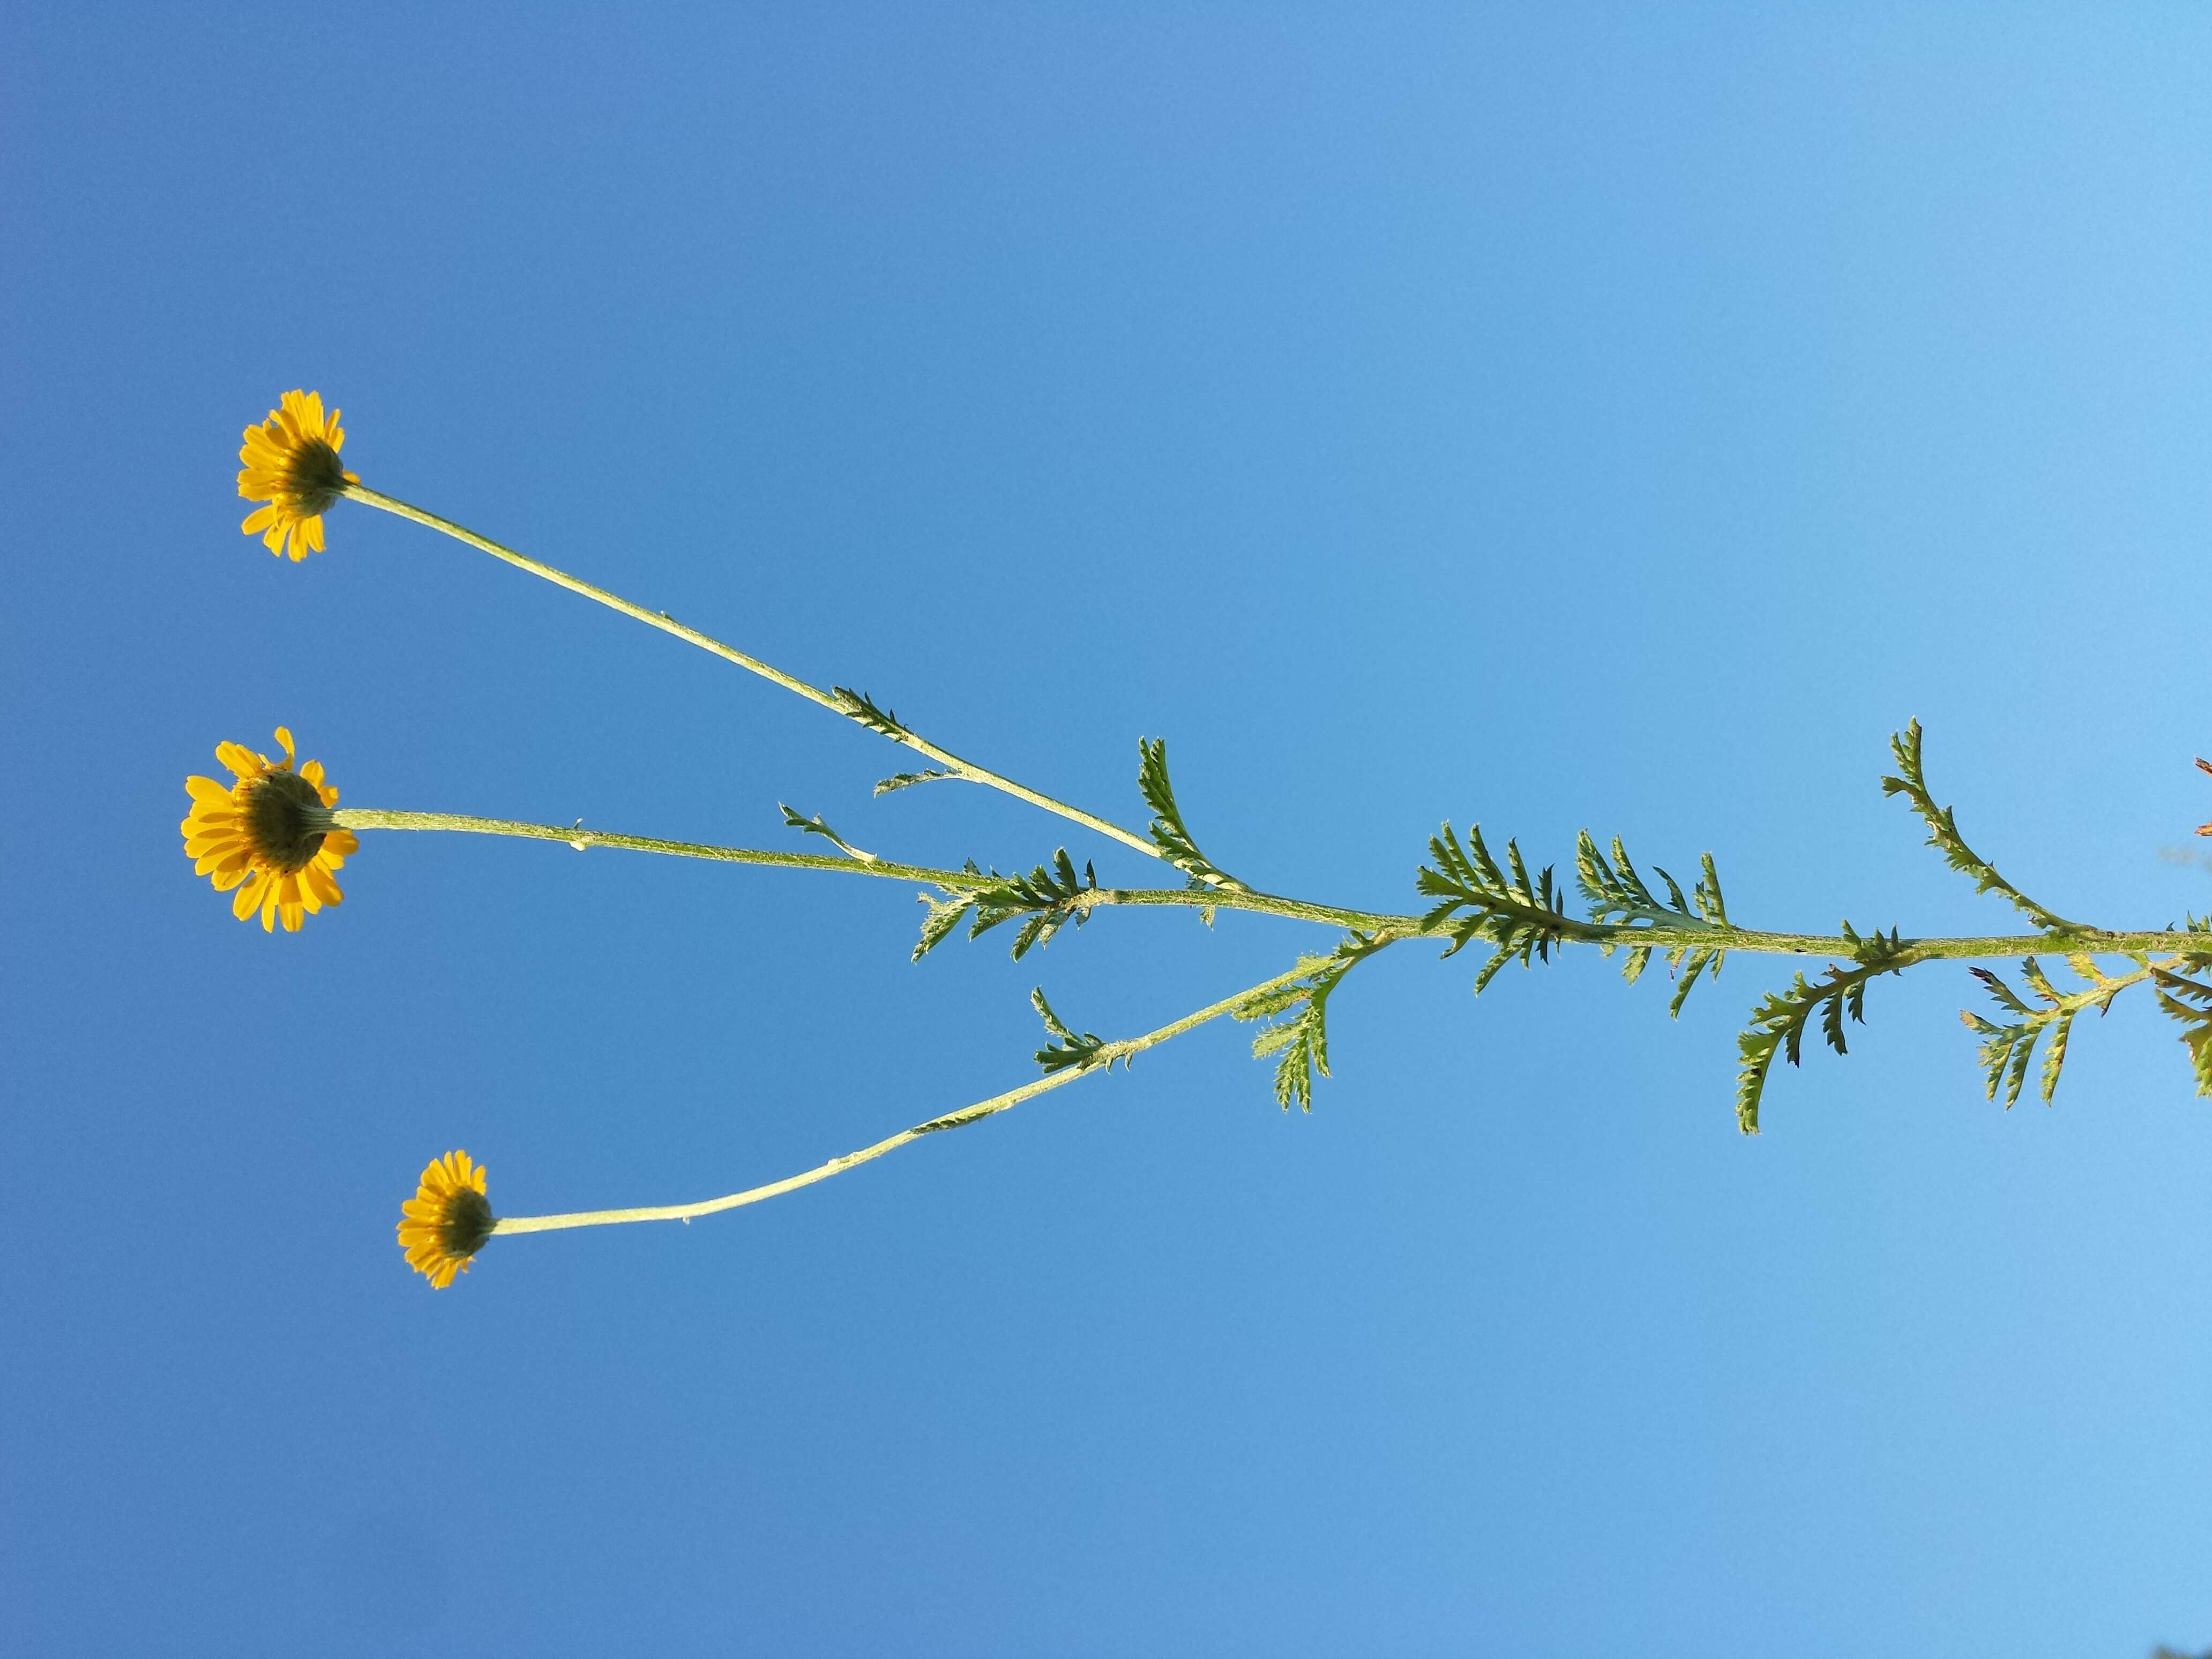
{"x":1106,"y":1056}
{"x":965,"y":769}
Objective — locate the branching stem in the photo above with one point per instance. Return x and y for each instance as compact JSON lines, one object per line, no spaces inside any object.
{"x":1390,"y":924}
{"x":965,"y":769}
{"x":1106,"y":1055}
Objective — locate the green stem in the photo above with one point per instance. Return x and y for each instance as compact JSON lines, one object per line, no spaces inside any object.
{"x":965,"y":769}
{"x":1106,"y":1056}
{"x":2088,"y":942}
{"x":1621,"y":935}
{"x":369,"y":817}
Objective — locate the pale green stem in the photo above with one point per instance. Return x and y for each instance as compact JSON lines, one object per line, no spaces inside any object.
{"x":965,"y":769}
{"x":1752,"y":941}
{"x":1104,"y":1059}
{"x":366,"y":817}
{"x":1619,"y":935}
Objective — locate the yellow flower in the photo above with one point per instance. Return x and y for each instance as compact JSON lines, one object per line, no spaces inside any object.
{"x":292,"y":463}
{"x":447,"y":1220}
{"x":2206,"y":766}
{"x":269,"y":835}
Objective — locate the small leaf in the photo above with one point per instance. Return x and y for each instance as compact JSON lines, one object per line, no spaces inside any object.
{"x":1168,"y":830}
{"x":1068,"y":1047}
{"x":816,"y":826}
{"x":1911,"y":783}
{"x":858,"y":706}
{"x":908,"y":780}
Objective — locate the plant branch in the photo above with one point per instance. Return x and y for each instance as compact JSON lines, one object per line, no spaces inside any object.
{"x":1943,"y":835}
{"x":1395,"y":925}
{"x":956,"y":881}
{"x":1103,"y":1057}
{"x":837,"y":700}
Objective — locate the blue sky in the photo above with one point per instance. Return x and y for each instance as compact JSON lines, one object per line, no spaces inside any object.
{"x":1555,"y":417}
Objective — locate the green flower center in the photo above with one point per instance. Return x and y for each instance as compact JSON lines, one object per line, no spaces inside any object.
{"x":286,"y":819}
{"x":466,"y":1224}
{"x":315,"y":477}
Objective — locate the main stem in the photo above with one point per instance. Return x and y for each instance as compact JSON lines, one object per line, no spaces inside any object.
{"x":982,"y":1109}
{"x":1390,"y":924}
{"x":667,"y":624}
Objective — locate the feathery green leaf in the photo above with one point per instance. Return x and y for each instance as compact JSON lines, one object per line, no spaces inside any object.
{"x":1777,"y":1024}
{"x":1079,"y":1049}
{"x":1911,"y":783}
{"x":1168,"y":830}
{"x":816,"y":826}
{"x":1476,"y":900}
{"x":1296,"y":1031}
{"x":908,"y":780}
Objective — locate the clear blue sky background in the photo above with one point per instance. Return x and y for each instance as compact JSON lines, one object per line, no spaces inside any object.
{"x":1557,"y":417}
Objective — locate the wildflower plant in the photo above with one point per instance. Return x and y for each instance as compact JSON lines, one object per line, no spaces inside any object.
{"x":276,"y":835}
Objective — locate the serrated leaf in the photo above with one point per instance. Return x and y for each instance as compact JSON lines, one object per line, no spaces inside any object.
{"x":937,"y":926}
{"x":860,"y":706}
{"x":1049,"y":897}
{"x":1777,"y":1025}
{"x":1523,"y":917}
{"x":2176,"y":993}
{"x":908,"y":780}
{"x":1690,"y":967}
{"x":817,"y":826}
{"x":1068,"y":1047}
{"x":1296,"y":1031}
{"x":1168,"y":830}
{"x":2054,"y":1057}
{"x":1911,"y":783}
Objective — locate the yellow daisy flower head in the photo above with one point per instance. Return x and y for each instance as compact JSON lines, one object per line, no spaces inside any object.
{"x":447,"y":1220}
{"x":269,"y":834}
{"x":291,"y":462}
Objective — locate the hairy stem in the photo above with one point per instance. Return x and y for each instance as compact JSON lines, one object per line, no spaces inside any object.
{"x":1105,"y":1057}
{"x":369,"y":818}
{"x":965,"y":769}
{"x":1393,"y":925}
{"x":2089,"y":941}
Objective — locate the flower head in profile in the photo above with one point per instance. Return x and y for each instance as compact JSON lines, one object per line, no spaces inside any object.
{"x":2203,"y":765}
{"x":447,"y":1220}
{"x":291,"y":463}
{"x":269,"y":834}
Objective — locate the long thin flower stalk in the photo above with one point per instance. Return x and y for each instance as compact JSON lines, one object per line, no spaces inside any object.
{"x":1104,"y":1057}
{"x":966,"y":770}
{"x":1394,"y":925}
{"x":360,"y":817}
